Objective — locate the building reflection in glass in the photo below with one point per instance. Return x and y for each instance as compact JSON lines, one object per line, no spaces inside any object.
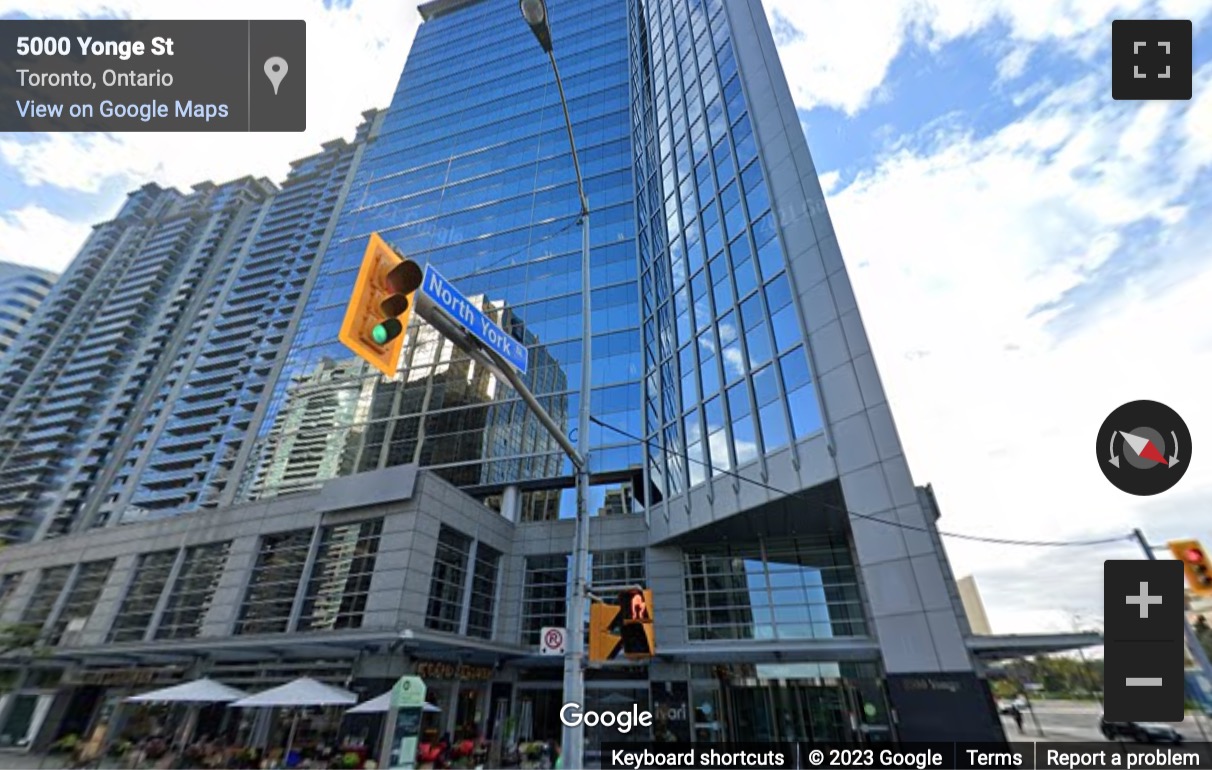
{"x":442,"y":410}
{"x":776,"y":588}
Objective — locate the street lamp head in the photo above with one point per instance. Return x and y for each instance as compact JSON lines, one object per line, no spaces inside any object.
{"x":534,"y":11}
{"x":535,"y":14}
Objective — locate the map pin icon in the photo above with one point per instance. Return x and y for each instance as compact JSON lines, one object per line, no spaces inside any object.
{"x":275,"y":70}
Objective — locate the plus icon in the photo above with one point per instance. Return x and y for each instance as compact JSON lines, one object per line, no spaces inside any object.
{"x":1150,"y":60}
{"x":1144,"y":600}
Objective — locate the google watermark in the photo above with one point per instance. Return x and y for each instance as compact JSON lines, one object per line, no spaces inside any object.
{"x":571,"y":715}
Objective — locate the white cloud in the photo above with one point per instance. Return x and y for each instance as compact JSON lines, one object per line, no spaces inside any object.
{"x":356,"y":55}
{"x":829,"y":181}
{"x":29,"y":234}
{"x":960,"y":243}
{"x":841,"y":55}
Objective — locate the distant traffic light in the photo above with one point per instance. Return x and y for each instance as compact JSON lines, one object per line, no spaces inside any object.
{"x":624,"y":628}
{"x":1196,"y":563}
{"x":380,"y":306}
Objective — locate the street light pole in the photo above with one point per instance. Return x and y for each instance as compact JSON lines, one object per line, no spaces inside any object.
{"x":573,"y":745}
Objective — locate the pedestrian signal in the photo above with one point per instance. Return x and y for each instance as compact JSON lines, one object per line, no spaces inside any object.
{"x":623,"y":628}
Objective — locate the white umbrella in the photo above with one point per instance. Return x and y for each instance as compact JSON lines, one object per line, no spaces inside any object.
{"x":197,"y":691}
{"x":303,"y":691}
{"x":382,"y":704}
{"x":194,"y":693}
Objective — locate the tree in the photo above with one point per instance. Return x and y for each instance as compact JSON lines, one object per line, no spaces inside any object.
{"x":17,"y":636}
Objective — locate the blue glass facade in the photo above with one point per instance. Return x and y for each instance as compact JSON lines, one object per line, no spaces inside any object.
{"x":471,"y":172}
{"x":726,"y":373}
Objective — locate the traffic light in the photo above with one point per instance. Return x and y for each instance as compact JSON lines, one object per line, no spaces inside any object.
{"x":635,"y":606}
{"x":604,"y":643}
{"x":380,"y":306}
{"x":623,"y":628}
{"x":1196,"y":563}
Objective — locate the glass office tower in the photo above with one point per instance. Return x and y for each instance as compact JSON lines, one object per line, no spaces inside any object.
{"x":471,"y":172}
{"x":743,"y":415}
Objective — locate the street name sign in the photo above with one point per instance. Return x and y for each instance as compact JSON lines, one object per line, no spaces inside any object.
{"x":452,"y":302}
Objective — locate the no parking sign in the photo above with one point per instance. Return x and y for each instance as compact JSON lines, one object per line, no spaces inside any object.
{"x":551,"y":640}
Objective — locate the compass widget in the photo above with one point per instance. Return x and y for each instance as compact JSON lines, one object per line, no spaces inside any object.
{"x":1143,"y":448}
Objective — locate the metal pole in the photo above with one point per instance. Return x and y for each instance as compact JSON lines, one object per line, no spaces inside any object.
{"x":1197,"y":649}
{"x":573,"y":745}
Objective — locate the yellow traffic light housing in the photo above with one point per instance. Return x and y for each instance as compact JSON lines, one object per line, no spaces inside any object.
{"x":623,"y":628}
{"x":1196,"y":564}
{"x":380,"y":306}
{"x":604,"y":643}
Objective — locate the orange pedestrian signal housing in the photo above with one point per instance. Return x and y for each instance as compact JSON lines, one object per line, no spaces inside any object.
{"x":1196,"y":564}
{"x":635,"y":608}
{"x":624,"y":628}
{"x":381,"y":306}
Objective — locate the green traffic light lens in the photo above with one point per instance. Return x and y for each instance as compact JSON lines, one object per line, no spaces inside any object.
{"x":387,"y":331}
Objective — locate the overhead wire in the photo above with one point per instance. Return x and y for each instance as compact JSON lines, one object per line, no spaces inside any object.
{"x":869,"y":517}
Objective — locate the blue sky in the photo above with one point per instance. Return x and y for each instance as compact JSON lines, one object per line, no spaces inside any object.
{"x":1027,"y":253}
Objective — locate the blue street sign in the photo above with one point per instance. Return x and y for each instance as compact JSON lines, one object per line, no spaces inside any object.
{"x":455,"y":305}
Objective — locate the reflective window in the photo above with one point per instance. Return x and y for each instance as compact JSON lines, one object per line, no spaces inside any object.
{"x":472,"y":172}
{"x":50,"y":584}
{"x":786,"y":588}
{"x":618,"y":569}
{"x":340,"y":578}
{"x":194,"y":591}
{"x":139,"y":604}
{"x":80,"y":602}
{"x":545,"y":596}
{"x":483,"y":592}
{"x":445,"y":609}
{"x":274,"y":583}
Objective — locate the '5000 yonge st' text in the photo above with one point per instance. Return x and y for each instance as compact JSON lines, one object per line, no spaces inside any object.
{"x":145,"y":112}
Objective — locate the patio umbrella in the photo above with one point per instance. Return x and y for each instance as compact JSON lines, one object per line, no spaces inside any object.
{"x":194,"y":694}
{"x":303,"y":691}
{"x":382,"y":704}
{"x":197,"y":691}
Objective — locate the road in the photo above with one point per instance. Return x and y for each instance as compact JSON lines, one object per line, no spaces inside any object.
{"x":1078,"y":721}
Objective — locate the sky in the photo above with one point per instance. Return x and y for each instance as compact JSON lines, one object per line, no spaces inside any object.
{"x":1027,"y":253}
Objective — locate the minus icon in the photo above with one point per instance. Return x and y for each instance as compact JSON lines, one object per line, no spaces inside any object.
{"x":1144,"y":681}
